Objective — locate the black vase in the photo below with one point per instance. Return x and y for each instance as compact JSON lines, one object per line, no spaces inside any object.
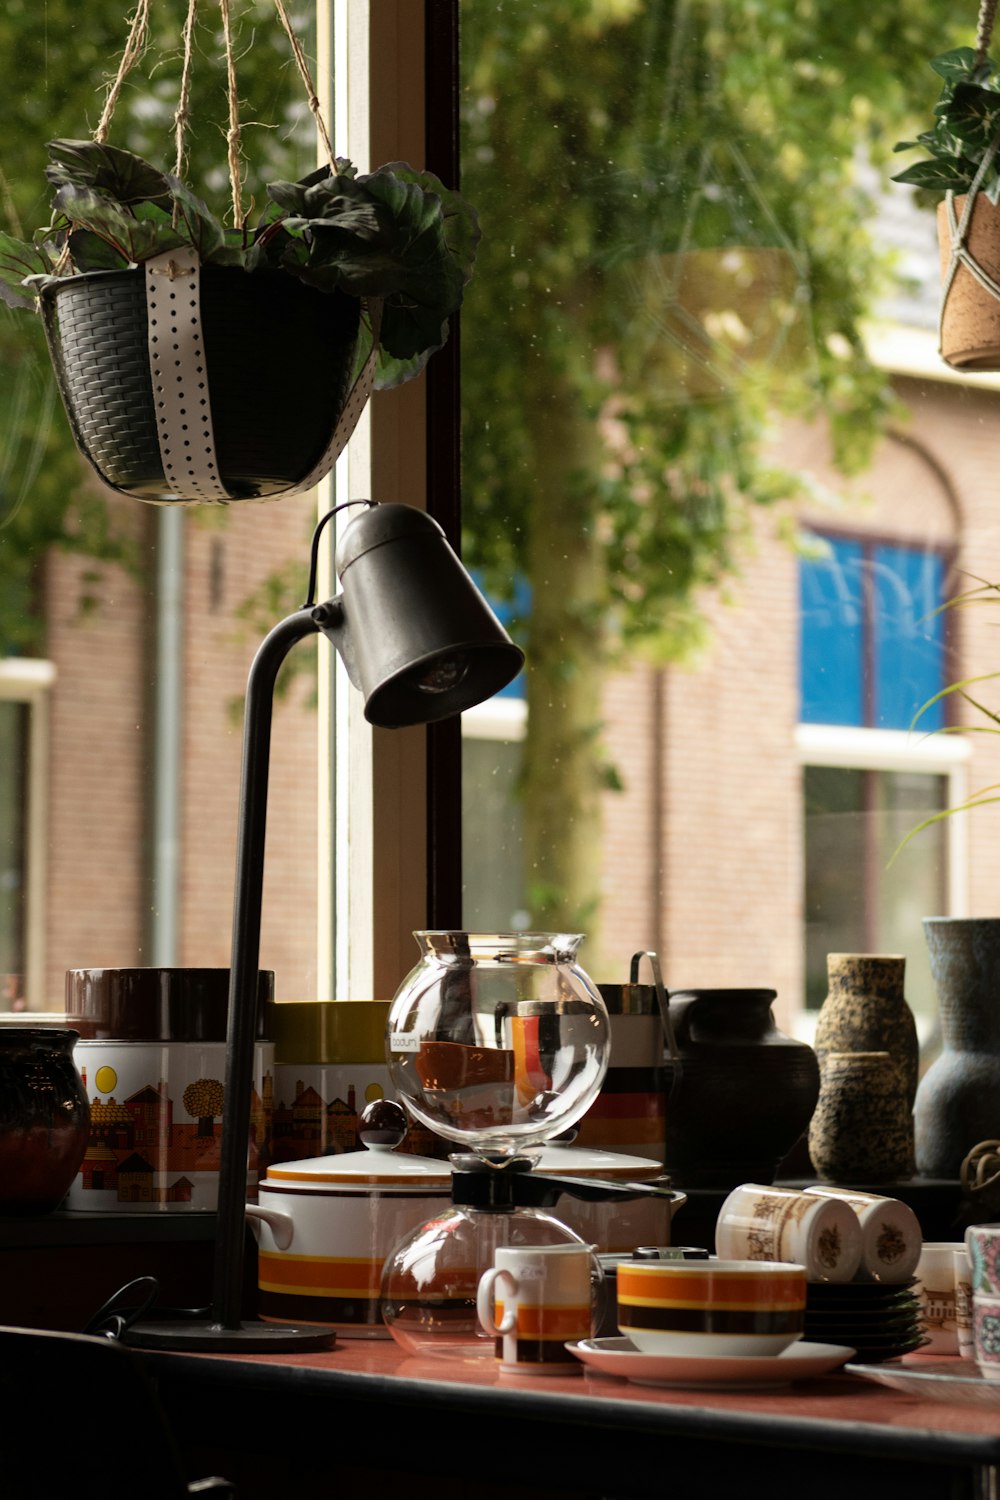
{"x":44,"y":1118}
{"x":742,"y":1093}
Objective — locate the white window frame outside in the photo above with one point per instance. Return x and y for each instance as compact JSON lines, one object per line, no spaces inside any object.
{"x":29,"y":681}
{"x":857,"y":749}
{"x":372,"y":809}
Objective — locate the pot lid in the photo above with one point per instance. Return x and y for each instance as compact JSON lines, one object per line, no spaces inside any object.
{"x":376,"y":1166}
{"x":580,"y":1161}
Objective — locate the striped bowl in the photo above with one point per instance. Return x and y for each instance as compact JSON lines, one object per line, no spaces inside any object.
{"x":713,"y":1307}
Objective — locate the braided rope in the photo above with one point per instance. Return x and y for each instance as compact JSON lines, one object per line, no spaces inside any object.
{"x":984,"y":29}
{"x":310,"y":87}
{"x":182,"y":112}
{"x":134,"y":48}
{"x":233,"y":133}
{"x":136,"y":45}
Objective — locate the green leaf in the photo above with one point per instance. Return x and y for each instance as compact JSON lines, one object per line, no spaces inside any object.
{"x":461,"y":222}
{"x":17,"y":261}
{"x":973,"y":116}
{"x":92,"y":253}
{"x":135,"y":236}
{"x":953,"y":687}
{"x":391,"y":372}
{"x":108,"y":169}
{"x":944,"y":173}
{"x":204,"y":231}
{"x":956,"y":65}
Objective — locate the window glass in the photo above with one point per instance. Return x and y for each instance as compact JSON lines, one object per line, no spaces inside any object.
{"x":706,"y":428}
{"x":858,"y":899}
{"x":147,"y":618}
{"x":872,"y":634}
{"x":14,"y":857}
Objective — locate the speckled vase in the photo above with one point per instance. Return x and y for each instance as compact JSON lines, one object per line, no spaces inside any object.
{"x":958,"y":1101}
{"x":862,"y":1127}
{"x":866,"y":1011}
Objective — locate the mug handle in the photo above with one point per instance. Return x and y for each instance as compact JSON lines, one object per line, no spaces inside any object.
{"x":485,"y":1301}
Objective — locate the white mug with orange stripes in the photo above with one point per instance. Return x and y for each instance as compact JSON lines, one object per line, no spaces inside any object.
{"x":535,"y":1299}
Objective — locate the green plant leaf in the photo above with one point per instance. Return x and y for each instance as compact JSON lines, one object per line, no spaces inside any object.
{"x":136,"y":236}
{"x":204,"y":231}
{"x":973,"y":116}
{"x":108,"y":169}
{"x":978,"y":799}
{"x":18,"y":261}
{"x":941,"y":174}
{"x":91,"y":252}
{"x":947,"y":692}
{"x":462,"y":231}
{"x":956,"y":65}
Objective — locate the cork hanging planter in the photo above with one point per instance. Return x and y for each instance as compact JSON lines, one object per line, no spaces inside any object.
{"x":205,"y":364}
{"x":970,"y":276}
{"x":964,"y":164}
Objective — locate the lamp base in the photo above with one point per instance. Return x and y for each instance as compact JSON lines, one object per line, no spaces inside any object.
{"x":204,"y":1337}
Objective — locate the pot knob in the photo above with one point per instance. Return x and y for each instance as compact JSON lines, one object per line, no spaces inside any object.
{"x":382,"y":1123}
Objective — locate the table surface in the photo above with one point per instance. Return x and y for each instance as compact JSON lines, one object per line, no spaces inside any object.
{"x":844,"y":1410}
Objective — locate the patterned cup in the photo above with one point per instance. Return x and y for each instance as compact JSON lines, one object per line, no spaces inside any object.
{"x":963,"y":1304}
{"x":936,"y":1292}
{"x":986,"y":1333}
{"x":983,"y":1244}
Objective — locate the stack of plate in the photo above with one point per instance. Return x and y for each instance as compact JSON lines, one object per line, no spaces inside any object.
{"x":879,"y":1321}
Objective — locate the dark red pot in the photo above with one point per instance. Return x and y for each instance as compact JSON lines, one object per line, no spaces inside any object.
{"x":44,"y":1118}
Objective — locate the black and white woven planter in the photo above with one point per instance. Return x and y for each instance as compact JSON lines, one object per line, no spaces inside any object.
{"x":204,"y":384}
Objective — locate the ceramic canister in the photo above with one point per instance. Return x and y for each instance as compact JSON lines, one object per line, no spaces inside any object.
{"x":325,"y":1226}
{"x":329,"y":1063}
{"x":152,"y":1056}
{"x":629,"y":1114}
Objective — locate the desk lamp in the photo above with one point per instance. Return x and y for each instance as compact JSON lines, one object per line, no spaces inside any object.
{"x":420,"y":642}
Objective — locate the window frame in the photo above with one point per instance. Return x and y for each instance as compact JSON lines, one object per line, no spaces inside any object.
{"x":29,"y":680}
{"x":390,"y":801}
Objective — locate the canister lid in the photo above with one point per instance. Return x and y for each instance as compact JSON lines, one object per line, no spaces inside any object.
{"x":328,"y":1031}
{"x":629,"y":999}
{"x":155,"y":1005}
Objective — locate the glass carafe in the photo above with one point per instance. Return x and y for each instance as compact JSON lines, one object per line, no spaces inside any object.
{"x":498,"y":1041}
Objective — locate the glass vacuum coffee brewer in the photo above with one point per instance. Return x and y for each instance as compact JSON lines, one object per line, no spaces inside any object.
{"x":498,"y":1042}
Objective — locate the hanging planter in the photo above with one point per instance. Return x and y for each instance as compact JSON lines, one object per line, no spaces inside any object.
{"x":200,"y":364}
{"x":969,"y":241}
{"x":194,"y":383}
{"x":964,"y":163}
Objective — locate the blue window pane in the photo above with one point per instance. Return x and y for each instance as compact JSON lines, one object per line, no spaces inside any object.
{"x":514,"y":610}
{"x":832,"y":641}
{"x":909,"y":637}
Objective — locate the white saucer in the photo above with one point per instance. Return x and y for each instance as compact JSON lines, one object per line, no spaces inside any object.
{"x":800,"y":1361}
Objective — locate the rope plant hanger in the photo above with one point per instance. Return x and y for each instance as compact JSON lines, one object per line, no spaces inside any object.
{"x":956,"y":248}
{"x":206,"y":364}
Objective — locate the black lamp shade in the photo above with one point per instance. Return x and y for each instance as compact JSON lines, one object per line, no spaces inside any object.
{"x":416,"y":635}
